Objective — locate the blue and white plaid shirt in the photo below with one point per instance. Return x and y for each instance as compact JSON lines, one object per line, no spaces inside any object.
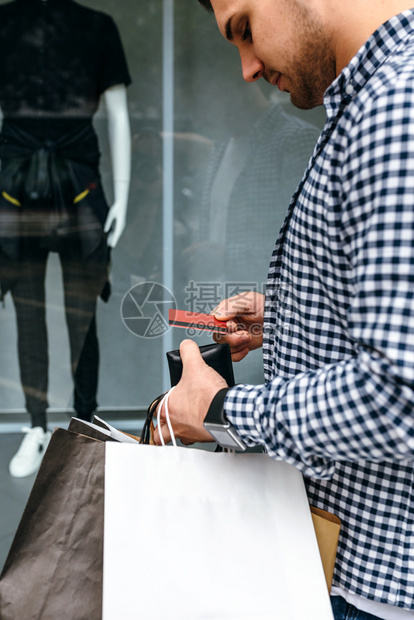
{"x":338,"y":351}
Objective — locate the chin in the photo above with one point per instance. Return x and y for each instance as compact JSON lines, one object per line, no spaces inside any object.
{"x":305,"y":102}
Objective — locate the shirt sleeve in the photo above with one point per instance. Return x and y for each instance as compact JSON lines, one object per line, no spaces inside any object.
{"x":362,"y":408}
{"x":114,"y":66}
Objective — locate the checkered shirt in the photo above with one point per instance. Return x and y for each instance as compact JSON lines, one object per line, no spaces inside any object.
{"x":338,"y":402}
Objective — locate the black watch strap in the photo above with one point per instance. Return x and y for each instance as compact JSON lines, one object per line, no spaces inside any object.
{"x":218,"y":425}
{"x":215,"y":413}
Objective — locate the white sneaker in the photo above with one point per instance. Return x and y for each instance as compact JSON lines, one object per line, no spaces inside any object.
{"x":27,"y":459}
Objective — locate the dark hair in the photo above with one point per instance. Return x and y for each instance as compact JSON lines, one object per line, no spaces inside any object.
{"x":207,"y":5}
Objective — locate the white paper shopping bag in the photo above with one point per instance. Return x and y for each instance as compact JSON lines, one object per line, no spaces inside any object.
{"x":191,"y":534}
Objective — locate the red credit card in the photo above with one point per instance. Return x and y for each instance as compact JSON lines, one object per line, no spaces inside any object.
{"x":196,"y":320}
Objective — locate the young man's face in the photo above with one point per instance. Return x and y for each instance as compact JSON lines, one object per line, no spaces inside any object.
{"x":282,"y":41}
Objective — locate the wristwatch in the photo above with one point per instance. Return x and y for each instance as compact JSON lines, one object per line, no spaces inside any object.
{"x":218,"y":425}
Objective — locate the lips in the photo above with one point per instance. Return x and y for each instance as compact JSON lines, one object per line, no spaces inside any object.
{"x":275,"y":80}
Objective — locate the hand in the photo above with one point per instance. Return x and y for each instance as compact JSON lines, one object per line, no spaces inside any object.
{"x":189,"y":401}
{"x":115,"y":222}
{"x":243,"y":314}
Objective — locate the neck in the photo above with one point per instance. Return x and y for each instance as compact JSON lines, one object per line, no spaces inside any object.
{"x":350,"y":33}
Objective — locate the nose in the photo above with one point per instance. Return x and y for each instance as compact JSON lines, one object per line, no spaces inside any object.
{"x":252,"y":67}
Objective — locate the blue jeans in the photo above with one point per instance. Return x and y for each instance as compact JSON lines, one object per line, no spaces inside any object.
{"x":343,"y":611}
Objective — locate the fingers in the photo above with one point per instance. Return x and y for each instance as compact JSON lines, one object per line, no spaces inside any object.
{"x":191,"y":357}
{"x":162,"y":428}
{"x":239,"y":355}
{"x":186,"y":442}
{"x":237,"y":340}
{"x":109,"y":220}
{"x":232,"y":307}
{"x":225,"y":310}
{"x":234,"y":326}
{"x":161,"y":431}
{"x":166,"y":436}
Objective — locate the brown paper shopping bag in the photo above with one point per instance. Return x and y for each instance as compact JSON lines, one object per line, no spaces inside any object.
{"x":327,"y":528}
{"x":54,"y":567}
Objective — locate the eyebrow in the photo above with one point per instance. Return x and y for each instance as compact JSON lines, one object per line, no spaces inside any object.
{"x":229,"y":31}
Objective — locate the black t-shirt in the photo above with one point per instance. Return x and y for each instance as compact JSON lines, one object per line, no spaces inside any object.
{"x":57,"y":58}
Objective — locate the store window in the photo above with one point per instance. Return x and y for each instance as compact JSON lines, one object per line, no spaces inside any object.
{"x":214,"y":162}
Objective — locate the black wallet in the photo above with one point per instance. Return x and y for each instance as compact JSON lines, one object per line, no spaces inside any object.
{"x":217,"y":356}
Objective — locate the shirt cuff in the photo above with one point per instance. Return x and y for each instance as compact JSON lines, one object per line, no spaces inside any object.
{"x":259,"y":419}
{"x":240,"y":406}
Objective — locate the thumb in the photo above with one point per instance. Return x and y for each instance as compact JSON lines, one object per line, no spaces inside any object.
{"x":191,"y":357}
{"x":108,"y":222}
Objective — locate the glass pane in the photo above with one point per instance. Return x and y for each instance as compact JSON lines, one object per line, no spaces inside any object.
{"x":241,"y":149}
{"x":238,"y":152}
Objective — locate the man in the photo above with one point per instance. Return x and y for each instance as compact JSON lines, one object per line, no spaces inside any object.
{"x":338,"y":319}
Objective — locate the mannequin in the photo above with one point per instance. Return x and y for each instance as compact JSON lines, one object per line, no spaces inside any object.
{"x":60,"y":58}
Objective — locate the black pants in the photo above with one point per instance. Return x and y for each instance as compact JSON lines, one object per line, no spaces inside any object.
{"x":82,"y":284}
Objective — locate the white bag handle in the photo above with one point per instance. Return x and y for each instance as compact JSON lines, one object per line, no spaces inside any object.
{"x":164,"y":402}
{"x":167,"y":417}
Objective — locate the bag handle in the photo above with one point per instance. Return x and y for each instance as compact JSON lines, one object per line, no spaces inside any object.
{"x":164,"y":402}
{"x":148,"y":428}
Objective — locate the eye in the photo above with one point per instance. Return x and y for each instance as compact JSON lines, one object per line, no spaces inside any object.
{"x":247,"y":33}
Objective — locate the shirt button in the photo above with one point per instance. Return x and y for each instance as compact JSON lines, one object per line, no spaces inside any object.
{"x":349,"y":89}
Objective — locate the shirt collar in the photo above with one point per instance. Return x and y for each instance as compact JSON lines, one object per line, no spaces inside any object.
{"x":368,"y":59}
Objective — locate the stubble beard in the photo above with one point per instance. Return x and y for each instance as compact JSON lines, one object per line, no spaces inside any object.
{"x":313,"y":67}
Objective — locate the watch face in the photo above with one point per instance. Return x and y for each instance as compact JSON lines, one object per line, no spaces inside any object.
{"x":219,"y":427}
{"x":226,"y":438}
